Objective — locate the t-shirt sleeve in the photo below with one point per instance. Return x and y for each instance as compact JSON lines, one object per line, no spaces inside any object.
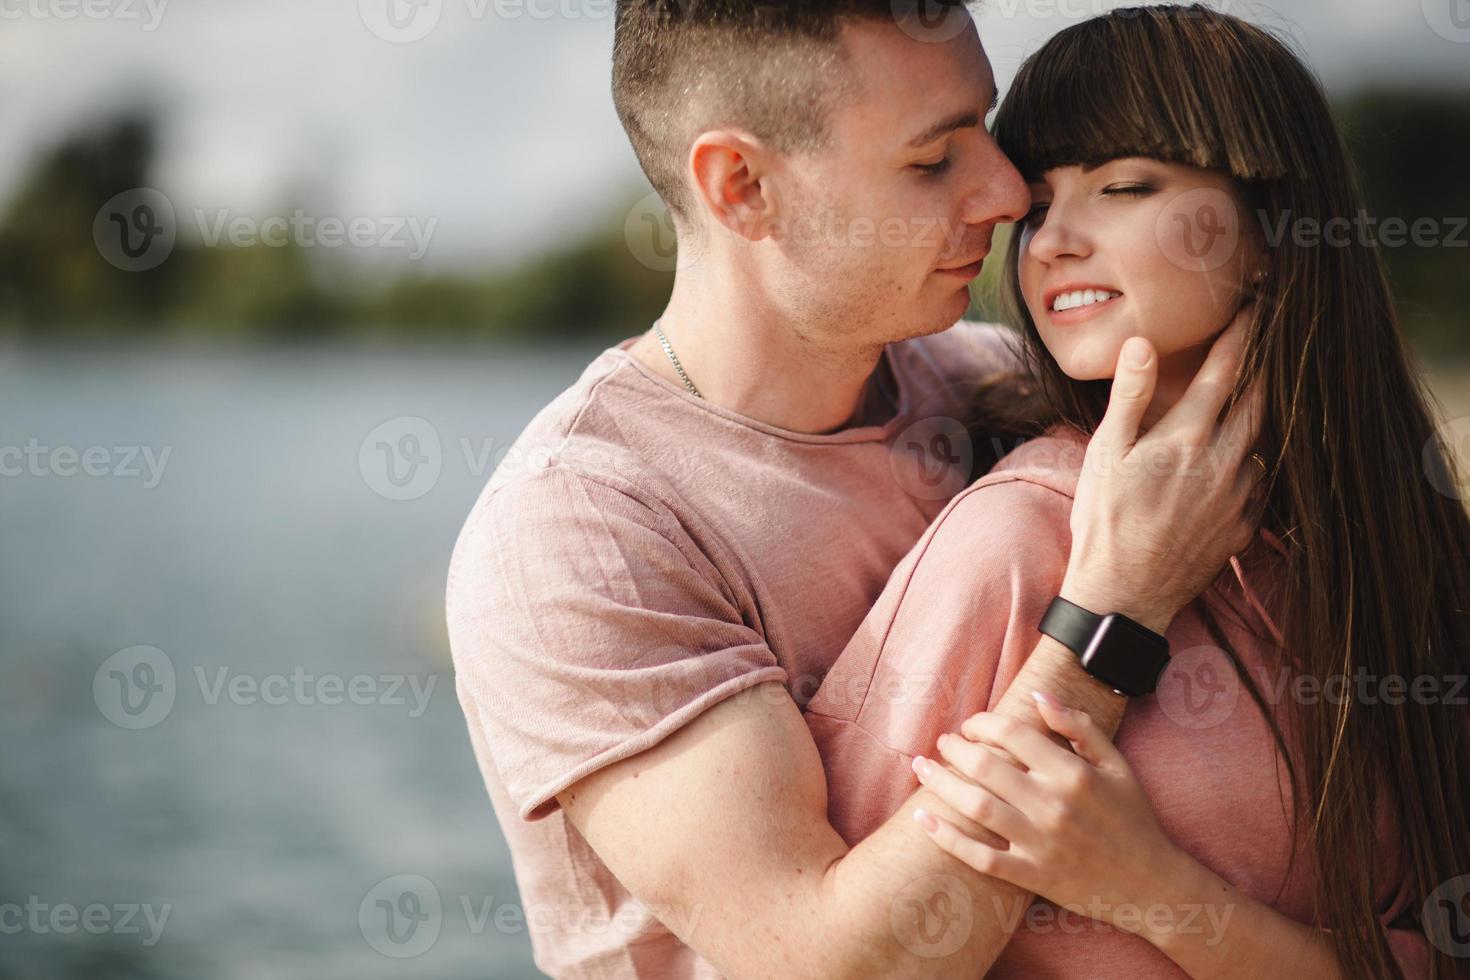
{"x":951,"y":630}
{"x":586,"y":626}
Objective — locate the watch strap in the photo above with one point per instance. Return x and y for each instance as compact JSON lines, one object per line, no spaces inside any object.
{"x":1082,"y":631}
{"x":1069,"y":624}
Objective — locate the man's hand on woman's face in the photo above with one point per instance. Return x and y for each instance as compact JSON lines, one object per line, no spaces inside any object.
{"x":1157,"y":516}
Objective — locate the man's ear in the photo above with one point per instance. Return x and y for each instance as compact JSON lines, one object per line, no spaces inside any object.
{"x":732,"y":182}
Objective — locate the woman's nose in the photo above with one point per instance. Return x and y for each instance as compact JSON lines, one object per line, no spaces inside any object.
{"x":1057,"y":237}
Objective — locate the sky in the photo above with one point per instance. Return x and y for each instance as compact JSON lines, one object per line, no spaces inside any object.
{"x":490,"y":117}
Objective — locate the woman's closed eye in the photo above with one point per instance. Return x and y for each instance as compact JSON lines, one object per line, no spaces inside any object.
{"x":1128,"y":190}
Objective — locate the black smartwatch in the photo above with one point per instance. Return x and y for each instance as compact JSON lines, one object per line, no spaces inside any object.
{"x":1117,"y":651}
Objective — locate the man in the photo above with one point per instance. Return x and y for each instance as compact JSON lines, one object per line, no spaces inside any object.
{"x":652,"y":586}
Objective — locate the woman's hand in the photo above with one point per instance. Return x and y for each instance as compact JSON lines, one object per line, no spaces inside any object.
{"x":1080,"y":828}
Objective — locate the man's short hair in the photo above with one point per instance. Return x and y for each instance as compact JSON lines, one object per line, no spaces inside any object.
{"x":766,"y":66}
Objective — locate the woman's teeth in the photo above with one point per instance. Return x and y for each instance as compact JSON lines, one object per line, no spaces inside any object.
{"x":1081,"y":297}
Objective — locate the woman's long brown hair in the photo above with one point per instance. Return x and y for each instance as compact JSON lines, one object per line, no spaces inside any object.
{"x":1377,"y":572}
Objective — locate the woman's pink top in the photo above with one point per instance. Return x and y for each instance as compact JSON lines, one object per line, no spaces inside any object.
{"x":949,"y":634}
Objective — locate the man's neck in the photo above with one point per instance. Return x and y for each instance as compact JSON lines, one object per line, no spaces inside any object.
{"x":744,"y":357}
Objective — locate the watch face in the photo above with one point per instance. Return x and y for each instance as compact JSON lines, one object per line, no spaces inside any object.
{"x":1125,"y":655}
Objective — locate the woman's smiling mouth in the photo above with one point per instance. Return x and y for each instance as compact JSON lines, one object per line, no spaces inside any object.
{"x":1069,"y":305}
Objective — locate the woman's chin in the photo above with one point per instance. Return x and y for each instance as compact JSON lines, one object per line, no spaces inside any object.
{"x":1088,"y":369}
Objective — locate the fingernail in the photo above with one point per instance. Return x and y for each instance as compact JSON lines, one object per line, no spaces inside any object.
{"x":922,"y":765}
{"x":1136,"y":351}
{"x":923,"y":818}
{"x":1047,"y":700}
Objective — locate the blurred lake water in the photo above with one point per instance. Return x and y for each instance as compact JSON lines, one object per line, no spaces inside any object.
{"x":236,"y":522}
{"x":228,"y":708}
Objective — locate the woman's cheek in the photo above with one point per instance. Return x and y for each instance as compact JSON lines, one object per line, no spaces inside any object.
{"x":1198,"y":230}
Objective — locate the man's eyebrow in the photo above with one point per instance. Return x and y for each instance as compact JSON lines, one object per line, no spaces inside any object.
{"x":960,"y":120}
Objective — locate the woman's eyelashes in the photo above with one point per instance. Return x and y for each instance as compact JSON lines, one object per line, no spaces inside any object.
{"x":1129,"y":189}
{"x":1126,"y":190}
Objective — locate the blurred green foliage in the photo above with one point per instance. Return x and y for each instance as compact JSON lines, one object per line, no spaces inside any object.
{"x":55,"y":285}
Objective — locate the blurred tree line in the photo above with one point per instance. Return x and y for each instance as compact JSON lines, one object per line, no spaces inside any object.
{"x":56,"y":285}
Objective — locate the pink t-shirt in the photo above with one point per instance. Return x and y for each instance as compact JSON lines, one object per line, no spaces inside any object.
{"x":639,"y":556}
{"x":950,"y":633}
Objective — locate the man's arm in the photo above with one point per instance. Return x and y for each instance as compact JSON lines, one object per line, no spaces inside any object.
{"x":726,"y":820}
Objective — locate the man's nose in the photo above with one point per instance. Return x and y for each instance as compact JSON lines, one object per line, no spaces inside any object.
{"x":1000,"y":193}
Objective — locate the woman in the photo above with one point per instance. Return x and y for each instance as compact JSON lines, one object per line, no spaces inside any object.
{"x":1279,"y":754}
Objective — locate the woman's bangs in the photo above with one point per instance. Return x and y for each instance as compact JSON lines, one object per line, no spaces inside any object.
{"x":1126,"y":84}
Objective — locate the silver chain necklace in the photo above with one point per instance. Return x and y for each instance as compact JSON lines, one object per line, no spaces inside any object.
{"x":674,"y":360}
